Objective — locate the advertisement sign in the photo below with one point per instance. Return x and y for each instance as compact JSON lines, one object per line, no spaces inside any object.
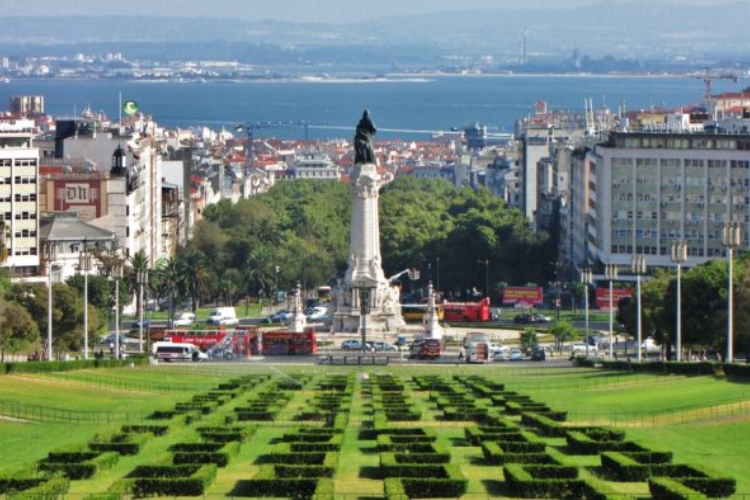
{"x":531,"y":296}
{"x":602,"y":296}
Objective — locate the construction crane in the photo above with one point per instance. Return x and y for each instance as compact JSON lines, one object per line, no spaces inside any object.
{"x":251,"y":127}
{"x":708,"y":79}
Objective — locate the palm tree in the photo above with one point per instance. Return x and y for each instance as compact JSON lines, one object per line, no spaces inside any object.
{"x":260,"y":271}
{"x":195,"y":275}
{"x":138,"y":264}
{"x":168,"y":282}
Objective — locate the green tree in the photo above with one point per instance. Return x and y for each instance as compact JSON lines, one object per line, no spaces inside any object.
{"x":561,"y":331}
{"x":194,"y":275}
{"x":18,"y":330}
{"x":529,"y":340}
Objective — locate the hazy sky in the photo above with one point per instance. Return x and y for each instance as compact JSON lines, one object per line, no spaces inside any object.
{"x":336,"y":11}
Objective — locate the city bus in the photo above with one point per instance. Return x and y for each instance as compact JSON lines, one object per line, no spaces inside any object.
{"x":415,"y":313}
{"x":467,"y":312}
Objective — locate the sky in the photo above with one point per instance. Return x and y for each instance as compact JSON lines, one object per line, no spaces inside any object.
{"x":334,"y":11}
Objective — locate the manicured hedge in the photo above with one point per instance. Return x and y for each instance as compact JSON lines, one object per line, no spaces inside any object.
{"x":544,"y":426}
{"x":582,"y":443}
{"x":665,"y":488}
{"x":495,"y":454}
{"x":547,"y":481}
{"x":77,"y":465}
{"x":49,"y":489}
{"x":123,"y":443}
{"x":194,"y":484}
{"x":156,"y":430}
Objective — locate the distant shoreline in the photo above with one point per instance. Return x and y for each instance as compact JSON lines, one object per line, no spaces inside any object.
{"x":398,"y":77}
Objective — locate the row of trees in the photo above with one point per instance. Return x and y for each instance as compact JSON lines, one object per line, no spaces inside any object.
{"x":299,"y":232}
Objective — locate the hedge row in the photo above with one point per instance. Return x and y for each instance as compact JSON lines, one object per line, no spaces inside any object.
{"x":495,"y":453}
{"x":544,"y":425}
{"x":124,"y":443}
{"x":640,"y":467}
{"x":669,"y":489}
{"x":582,"y":443}
{"x":413,"y":487}
{"x":77,"y":465}
{"x":49,"y":489}
{"x":547,"y":481}
{"x":175,"y":480}
{"x":218,"y":457}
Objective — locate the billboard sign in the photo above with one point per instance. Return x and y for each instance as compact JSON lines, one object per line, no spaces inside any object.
{"x":520,"y":295}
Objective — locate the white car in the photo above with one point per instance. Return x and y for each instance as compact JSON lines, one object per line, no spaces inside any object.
{"x":515,"y":355}
{"x":184,"y":319}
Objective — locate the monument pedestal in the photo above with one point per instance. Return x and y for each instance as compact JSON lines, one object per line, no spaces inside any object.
{"x":364,"y":277}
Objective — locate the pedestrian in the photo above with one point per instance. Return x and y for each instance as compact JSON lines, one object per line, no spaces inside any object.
{"x":460,"y":352}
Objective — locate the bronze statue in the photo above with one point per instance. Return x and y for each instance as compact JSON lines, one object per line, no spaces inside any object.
{"x":363,"y":150}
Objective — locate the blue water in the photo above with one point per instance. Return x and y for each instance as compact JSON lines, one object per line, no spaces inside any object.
{"x":403,"y":108}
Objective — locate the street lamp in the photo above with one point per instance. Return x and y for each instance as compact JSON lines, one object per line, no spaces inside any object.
{"x":50,"y":255}
{"x":586,"y":279}
{"x":679,"y":257}
{"x":84,"y":266}
{"x":276,"y":286}
{"x":638,"y":267}
{"x":117,"y":273}
{"x":730,"y":238}
{"x":142,"y":280}
{"x":486,"y":263}
{"x":610,"y":273}
{"x":364,"y":311}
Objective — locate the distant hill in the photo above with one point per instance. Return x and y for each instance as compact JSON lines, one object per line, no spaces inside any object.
{"x":635,"y":30}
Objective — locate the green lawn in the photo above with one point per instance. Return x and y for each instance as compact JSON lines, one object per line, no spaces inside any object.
{"x":702,"y":420}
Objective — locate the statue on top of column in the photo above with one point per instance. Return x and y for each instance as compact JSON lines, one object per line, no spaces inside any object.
{"x":363,"y":149}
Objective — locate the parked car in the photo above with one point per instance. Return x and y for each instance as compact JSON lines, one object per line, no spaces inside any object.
{"x":183,"y":319}
{"x":317,"y":314}
{"x":538,"y":354}
{"x":523,"y":319}
{"x":515,"y":354}
{"x":146,"y":323}
{"x":351,"y":345}
{"x":495,"y":348}
{"x":279,"y":317}
{"x":384,"y":346}
{"x":501,"y":355}
{"x":540,"y":318}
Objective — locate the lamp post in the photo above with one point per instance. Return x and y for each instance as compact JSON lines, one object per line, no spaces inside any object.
{"x":610,"y":273}
{"x":117,"y":272}
{"x":142,"y":279}
{"x":486,"y":263}
{"x":638,"y":267}
{"x":276,"y":286}
{"x":586,"y":280}
{"x":364,"y":311}
{"x":84,"y":266}
{"x":730,"y":238}
{"x":679,"y":257}
{"x":50,"y":255}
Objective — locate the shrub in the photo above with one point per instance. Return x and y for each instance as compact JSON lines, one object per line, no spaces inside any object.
{"x":666,"y":488}
{"x":50,"y":489}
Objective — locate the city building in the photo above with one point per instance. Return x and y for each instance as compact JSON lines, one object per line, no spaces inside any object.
{"x":19,"y":201}
{"x":637,"y":193}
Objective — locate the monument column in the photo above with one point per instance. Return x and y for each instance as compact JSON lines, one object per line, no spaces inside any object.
{"x":364,"y":278}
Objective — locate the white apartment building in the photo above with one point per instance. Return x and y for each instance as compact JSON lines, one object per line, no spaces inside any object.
{"x":638,"y":193}
{"x":19,"y":203}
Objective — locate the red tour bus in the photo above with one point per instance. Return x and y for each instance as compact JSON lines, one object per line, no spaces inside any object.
{"x":467,"y":312}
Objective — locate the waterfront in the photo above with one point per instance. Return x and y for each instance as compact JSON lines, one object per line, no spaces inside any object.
{"x":406,"y":107}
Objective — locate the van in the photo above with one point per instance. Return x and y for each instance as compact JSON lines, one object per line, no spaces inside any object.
{"x":223,"y":316}
{"x":178,"y":351}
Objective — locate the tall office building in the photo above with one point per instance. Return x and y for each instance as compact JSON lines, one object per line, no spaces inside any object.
{"x":640,"y":192}
{"x":19,"y":185}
